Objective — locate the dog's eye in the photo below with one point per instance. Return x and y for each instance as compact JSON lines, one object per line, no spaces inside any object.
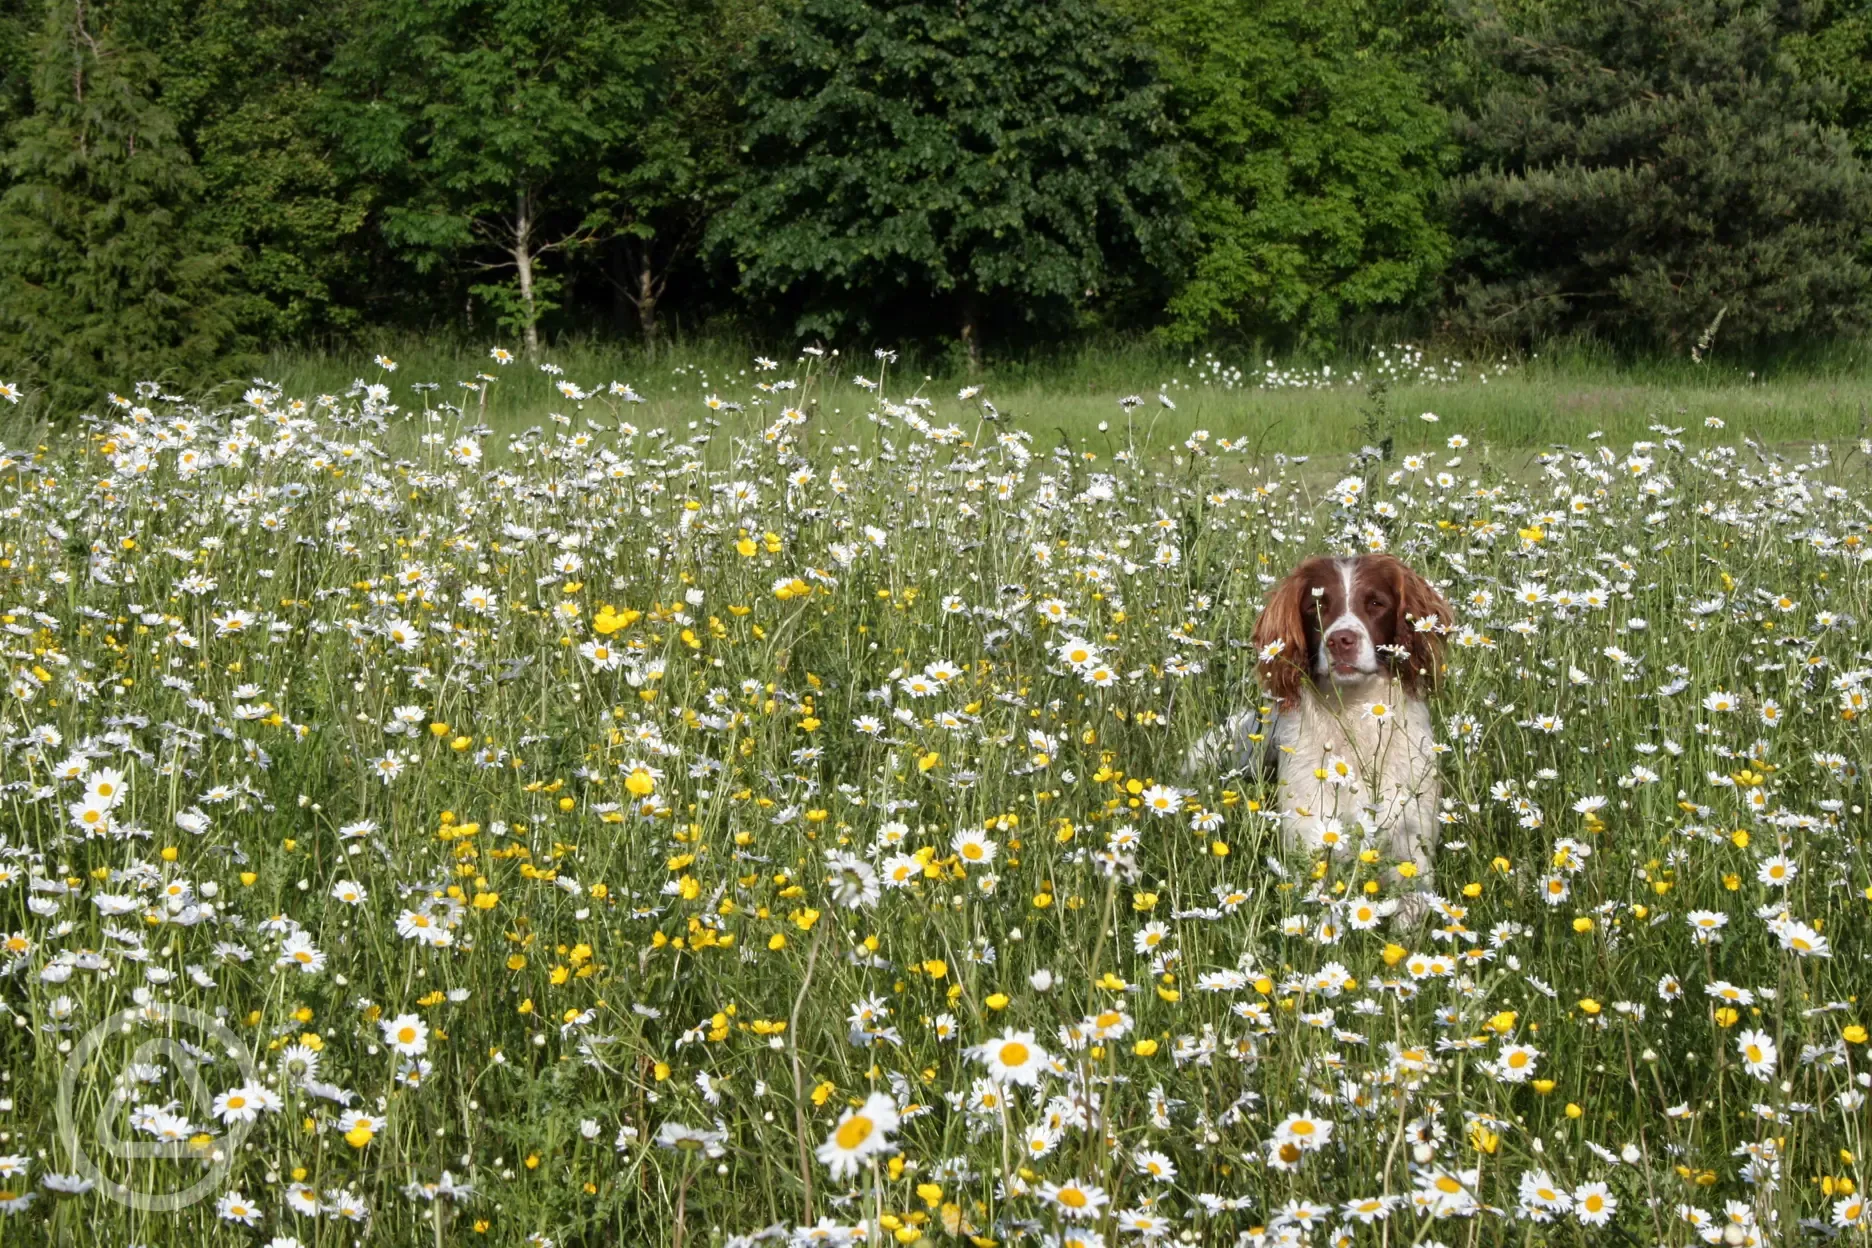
{"x":1375,"y":604}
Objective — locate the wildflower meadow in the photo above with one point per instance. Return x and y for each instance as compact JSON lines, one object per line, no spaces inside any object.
{"x":751,"y":826}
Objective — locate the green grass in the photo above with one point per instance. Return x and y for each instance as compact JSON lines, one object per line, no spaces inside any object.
{"x":1524,"y":403}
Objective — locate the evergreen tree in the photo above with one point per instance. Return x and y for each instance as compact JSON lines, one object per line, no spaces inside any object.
{"x":245,"y":81}
{"x":1639,"y":167}
{"x":1314,"y":159}
{"x":973,"y":153}
{"x":104,"y":276}
{"x":17,"y":20}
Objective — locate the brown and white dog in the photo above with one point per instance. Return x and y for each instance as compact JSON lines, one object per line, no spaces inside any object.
{"x":1349,"y":648}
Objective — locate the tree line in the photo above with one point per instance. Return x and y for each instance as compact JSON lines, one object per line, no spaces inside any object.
{"x":186,"y":182}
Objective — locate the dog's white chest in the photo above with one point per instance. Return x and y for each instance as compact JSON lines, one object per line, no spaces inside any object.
{"x":1363,"y":764}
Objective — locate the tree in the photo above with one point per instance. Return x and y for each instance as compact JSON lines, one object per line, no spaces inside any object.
{"x":1637,"y":168}
{"x":970,"y":152}
{"x":105,"y":278}
{"x":1837,"y":44}
{"x":487,"y":123}
{"x":675,"y":170}
{"x":244,"y":80}
{"x":1313,"y":158}
{"x":16,"y":44}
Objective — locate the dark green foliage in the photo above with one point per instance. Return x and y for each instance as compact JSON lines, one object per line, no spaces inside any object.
{"x":106,"y":274}
{"x":486,"y":125}
{"x":181,"y":180}
{"x":243,"y":78}
{"x":1313,"y":158}
{"x":1837,"y":45}
{"x":18,"y":20}
{"x":675,"y":170}
{"x":951,"y":157}
{"x":1637,"y":167}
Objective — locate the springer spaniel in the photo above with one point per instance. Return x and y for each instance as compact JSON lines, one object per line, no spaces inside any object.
{"x":1348,"y":648}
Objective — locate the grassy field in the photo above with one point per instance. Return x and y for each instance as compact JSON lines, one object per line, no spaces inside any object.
{"x":581,"y":834}
{"x":1504,"y":403}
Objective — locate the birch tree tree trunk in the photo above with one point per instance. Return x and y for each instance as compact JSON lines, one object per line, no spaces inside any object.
{"x":971,"y":331}
{"x":522,"y":251}
{"x":648,"y":289}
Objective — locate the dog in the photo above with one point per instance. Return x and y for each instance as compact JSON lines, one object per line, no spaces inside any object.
{"x":1349,"y":648}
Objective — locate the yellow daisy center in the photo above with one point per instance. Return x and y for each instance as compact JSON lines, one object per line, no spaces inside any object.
{"x":853,"y":1132}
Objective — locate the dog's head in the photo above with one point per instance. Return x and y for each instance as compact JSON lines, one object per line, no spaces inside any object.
{"x":1343,"y":621}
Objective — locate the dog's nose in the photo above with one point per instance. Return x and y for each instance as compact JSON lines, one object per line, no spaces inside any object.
{"x":1342,"y":644}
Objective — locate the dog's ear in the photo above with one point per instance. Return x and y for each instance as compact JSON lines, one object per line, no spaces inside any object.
{"x":1418,"y":600}
{"x":1282,"y":630}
